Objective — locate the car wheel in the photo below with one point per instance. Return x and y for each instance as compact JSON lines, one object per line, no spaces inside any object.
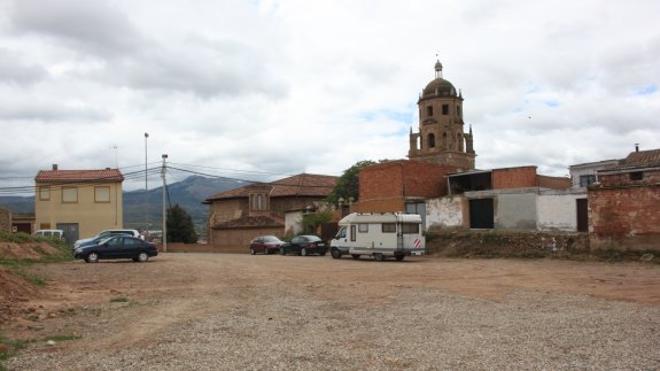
{"x":379,"y":257}
{"x":252,"y":252}
{"x":355,"y":256}
{"x":399,"y":257}
{"x":335,"y":253}
{"x":322,"y":253}
{"x":282,"y":251}
{"x":303,"y":252}
{"x":143,"y":257}
{"x":92,"y":257}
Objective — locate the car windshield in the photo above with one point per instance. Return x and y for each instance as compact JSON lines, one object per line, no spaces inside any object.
{"x":312,"y":238}
{"x":271,"y":239}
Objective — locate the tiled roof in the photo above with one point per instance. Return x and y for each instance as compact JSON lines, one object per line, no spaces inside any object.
{"x":69,"y":176}
{"x":297,"y":185}
{"x":636,"y":160}
{"x":261,"y":221}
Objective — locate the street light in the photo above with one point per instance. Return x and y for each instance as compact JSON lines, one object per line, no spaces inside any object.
{"x":146,"y":188}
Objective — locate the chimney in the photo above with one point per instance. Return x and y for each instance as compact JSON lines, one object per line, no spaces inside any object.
{"x":636,"y":147}
{"x":54,"y":167}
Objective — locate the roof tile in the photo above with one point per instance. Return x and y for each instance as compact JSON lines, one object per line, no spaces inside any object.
{"x":68,"y":176}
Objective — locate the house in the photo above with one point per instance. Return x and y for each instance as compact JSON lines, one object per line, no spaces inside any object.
{"x":238,"y":215}
{"x":624,"y":206}
{"x":80,"y":202}
{"x":515,"y":198}
{"x":400,"y":186}
{"x":22,"y":223}
{"x":584,"y":175}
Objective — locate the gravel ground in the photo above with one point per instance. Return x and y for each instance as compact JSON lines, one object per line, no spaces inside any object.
{"x":238,"y":312}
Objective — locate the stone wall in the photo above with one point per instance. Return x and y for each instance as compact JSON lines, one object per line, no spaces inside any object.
{"x":625,"y":217}
{"x":447,"y":212}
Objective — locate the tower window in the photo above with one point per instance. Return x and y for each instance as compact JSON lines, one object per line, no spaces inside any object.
{"x":458,"y":111}
{"x":431,"y":140}
{"x":429,"y":111}
{"x":445,"y":109}
{"x":637,"y":175}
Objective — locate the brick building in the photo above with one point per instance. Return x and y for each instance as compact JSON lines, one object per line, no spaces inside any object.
{"x":624,"y":207}
{"x":402,"y":185}
{"x":239,"y":215}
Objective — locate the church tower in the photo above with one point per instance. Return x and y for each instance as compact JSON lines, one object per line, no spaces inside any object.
{"x":441,"y":138}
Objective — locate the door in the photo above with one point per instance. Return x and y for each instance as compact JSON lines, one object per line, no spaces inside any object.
{"x":582,"y":215}
{"x":113,"y":248}
{"x":70,"y":232}
{"x":131,"y":247}
{"x":481,"y":213}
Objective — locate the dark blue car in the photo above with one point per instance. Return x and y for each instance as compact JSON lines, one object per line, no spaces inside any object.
{"x":117,"y":247}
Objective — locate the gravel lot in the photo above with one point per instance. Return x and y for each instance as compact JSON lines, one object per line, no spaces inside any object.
{"x":223,"y":311}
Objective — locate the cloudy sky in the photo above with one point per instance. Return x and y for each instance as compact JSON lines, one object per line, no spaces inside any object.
{"x":283,"y":87}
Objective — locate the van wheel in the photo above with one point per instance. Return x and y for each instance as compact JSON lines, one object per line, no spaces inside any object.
{"x":355,"y":256}
{"x":335,"y":253}
{"x":92,"y":258}
{"x":379,"y":257}
{"x":303,"y":252}
{"x":143,"y":257}
{"x":399,"y":258}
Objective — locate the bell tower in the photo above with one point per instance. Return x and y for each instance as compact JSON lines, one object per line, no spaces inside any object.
{"x":441,"y":138}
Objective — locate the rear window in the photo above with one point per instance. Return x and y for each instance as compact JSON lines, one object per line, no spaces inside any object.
{"x":410,"y":228}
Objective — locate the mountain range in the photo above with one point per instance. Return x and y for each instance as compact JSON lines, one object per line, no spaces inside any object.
{"x":188,"y":193}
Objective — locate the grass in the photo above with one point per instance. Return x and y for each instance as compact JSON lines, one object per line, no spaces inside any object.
{"x":13,"y":346}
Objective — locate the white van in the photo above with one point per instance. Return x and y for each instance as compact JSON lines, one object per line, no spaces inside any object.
{"x":379,"y":235}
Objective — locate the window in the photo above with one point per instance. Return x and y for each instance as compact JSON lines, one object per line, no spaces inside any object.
{"x":409,"y":228}
{"x":352,"y":233}
{"x":587,"y":180}
{"x":429,"y":111}
{"x":388,"y":228}
{"x":445,"y":109}
{"x":258,"y":201}
{"x":341,"y":233}
{"x":363,"y":228}
{"x":431,"y":140}
{"x":69,"y":194}
{"x":458,"y":111}
{"x":44,"y":193}
{"x":115,"y":242}
{"x":101,"y":194}
{"x":637,"y":175}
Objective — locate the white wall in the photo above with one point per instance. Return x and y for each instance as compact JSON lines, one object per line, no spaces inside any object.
{"x":557,"y":211}
{"x":445,"y":212}
{"x":293,"y":222}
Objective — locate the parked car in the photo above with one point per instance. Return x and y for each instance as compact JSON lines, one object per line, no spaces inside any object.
{"x":266,"y":245}
{"x":50,"y":233}
{"x":117,"y":247}
{"x":305,"y":245}
{"x":104,"y":234}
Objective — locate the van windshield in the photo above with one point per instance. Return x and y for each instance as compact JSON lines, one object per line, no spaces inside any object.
{"x":341,"y":233}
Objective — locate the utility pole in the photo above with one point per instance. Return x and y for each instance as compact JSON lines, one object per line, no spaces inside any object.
{"x":146,"y":189}
{"x":162,"y":174}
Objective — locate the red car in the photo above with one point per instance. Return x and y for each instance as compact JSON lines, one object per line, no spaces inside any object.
{"x":266,"y":245}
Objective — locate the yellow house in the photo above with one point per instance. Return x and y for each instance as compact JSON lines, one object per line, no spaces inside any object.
{"x":80,"y":202}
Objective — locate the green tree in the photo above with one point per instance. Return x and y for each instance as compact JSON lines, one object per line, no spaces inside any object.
{"x":348,"y":183}
{"x":180,"y":227}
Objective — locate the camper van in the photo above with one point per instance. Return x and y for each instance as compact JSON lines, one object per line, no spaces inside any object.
{"x":379,"y":235}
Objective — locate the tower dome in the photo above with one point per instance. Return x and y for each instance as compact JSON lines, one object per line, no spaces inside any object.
{"x":438,"y":87}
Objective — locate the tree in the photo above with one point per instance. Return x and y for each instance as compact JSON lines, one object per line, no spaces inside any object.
{"x":180,"y":227}
{"x":348,"y":183}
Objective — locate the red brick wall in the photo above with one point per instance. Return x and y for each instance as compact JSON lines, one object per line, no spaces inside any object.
{"x":384,"y":187}
{"x":515,"y":177}
{"x":553,"y":182}
{"x":625,"y":217}
{"x":650,"y":177}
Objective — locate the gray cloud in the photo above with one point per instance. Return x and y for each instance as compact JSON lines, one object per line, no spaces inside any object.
{"x":52,"y":112}
{"x":14,"y":70}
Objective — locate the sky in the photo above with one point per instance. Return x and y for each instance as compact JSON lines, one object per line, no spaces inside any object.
{"x":282,"y":87}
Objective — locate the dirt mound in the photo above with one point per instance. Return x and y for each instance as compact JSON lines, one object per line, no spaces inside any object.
{"x":13,"y":289}
{"x":31,"y":250}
